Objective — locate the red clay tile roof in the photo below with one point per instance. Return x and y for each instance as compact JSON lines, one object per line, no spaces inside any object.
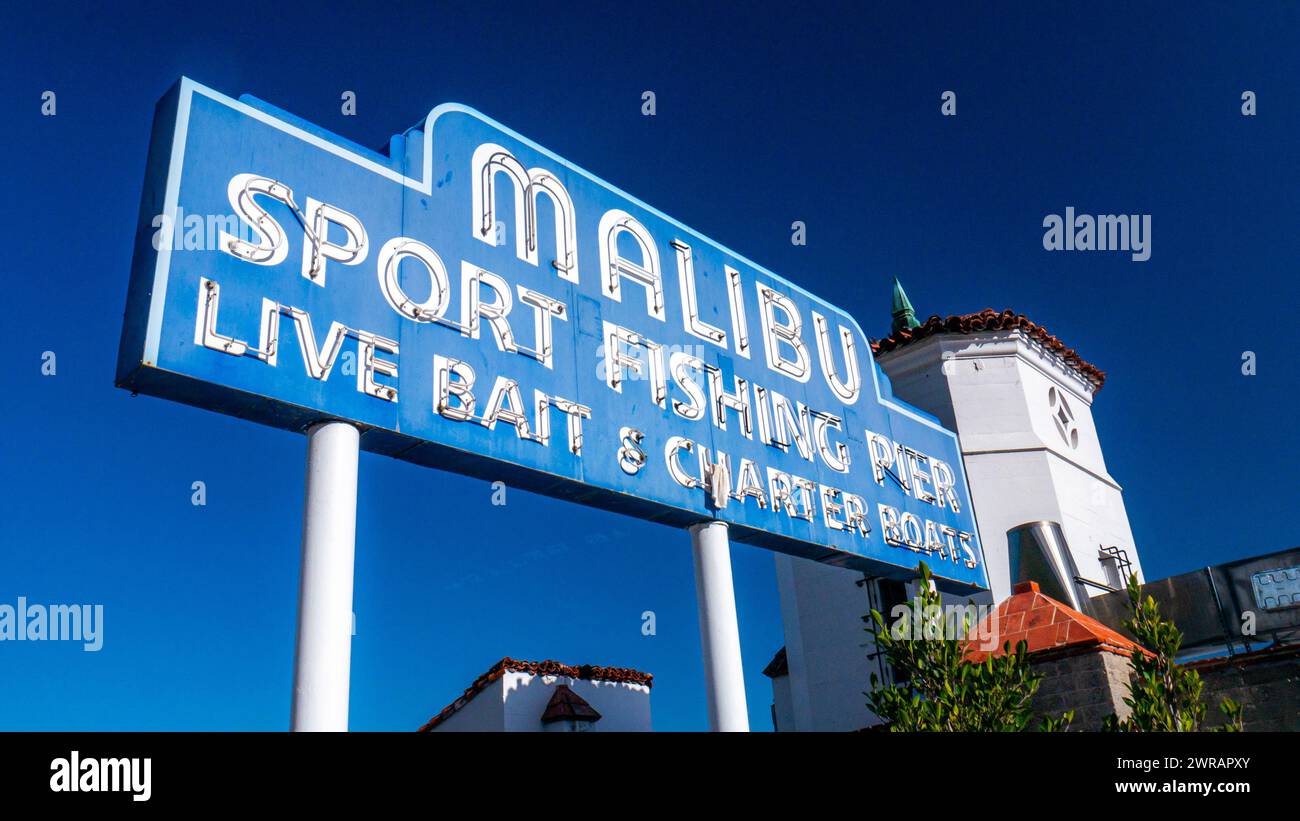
{"x":1050,"y":629}
{"x":778,"y":666}
{"x":590,"y":672}
{"x":990,"y":320}
{"x":566,"y":705}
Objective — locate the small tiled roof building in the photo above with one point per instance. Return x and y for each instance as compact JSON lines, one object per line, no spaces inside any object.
{"x":1086,"y":666}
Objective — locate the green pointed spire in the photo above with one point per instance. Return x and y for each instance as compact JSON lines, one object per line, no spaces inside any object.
{"x":904,"y":316}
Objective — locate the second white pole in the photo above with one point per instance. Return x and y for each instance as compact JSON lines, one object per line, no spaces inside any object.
{"x":322,"y":664}
{"x":724,"y":676}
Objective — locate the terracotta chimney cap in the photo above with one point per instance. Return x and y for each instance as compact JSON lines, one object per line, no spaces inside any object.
{"x":1046,"y":626}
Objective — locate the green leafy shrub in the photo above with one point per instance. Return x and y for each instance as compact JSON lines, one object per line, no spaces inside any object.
{"x":936,"y":689}
{"x":1164,"y":697}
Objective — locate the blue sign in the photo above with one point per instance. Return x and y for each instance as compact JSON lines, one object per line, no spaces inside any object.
{"x":475,"y":303}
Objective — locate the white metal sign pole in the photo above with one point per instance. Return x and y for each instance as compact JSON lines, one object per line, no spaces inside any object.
{"x":724,"y":677}
{"x":322,"y":664}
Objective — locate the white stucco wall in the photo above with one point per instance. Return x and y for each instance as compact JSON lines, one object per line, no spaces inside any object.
{"x":996,"y":389}
{"x":623,"y":707}
{"x":826,"y":645}
{"x":515,"y":703}
{"x":782,"y":707}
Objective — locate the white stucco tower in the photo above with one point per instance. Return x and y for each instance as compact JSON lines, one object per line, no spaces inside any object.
{"x":1021,"y":404}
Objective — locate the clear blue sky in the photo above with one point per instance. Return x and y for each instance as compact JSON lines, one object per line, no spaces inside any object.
{"x":829,"y":115}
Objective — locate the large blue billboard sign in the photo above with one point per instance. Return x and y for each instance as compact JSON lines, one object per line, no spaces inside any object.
{"x":475,"y":303}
